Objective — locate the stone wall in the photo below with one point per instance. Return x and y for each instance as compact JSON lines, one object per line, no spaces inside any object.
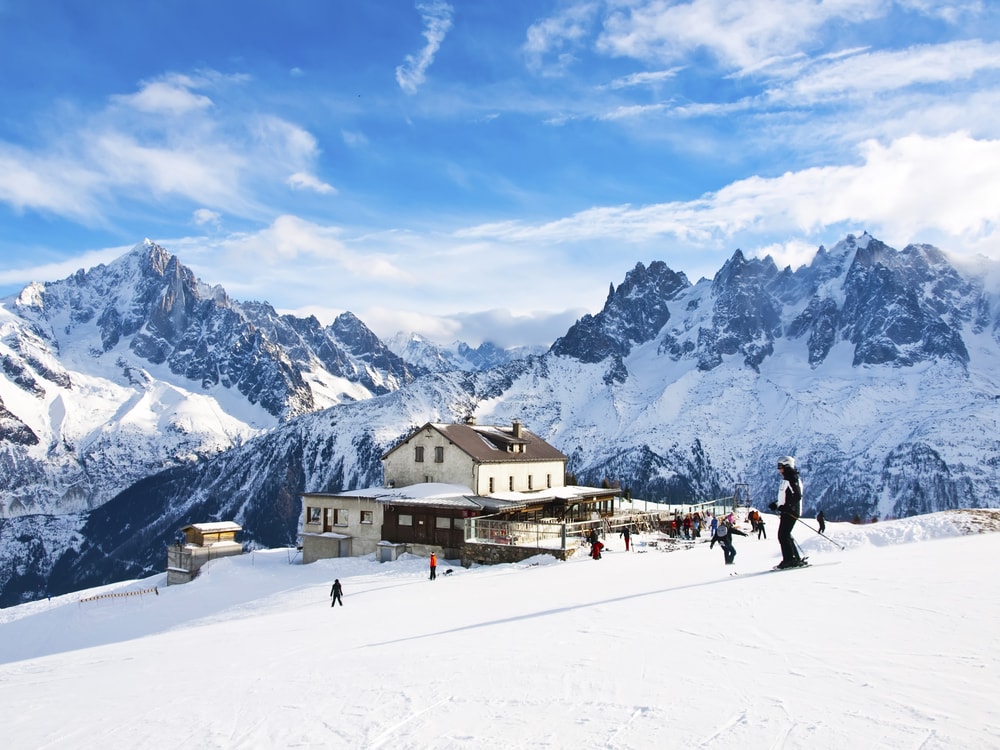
{"x":494,"y":554}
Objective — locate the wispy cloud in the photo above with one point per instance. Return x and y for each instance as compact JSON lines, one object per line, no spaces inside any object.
{"x":872,"y":72}
{"x":293,"y":238}
{"x":550,"y":43}
{"x":206,"y":217}
{"x":56,"y":183}
{"x":170,"y":95}
{"x":645,"y":78}
{"x":915,"y":185}
{"x":740,"y":35}
{"x":437,"y":22}
{"x":303,"y":181}
{"x":166,"y":142}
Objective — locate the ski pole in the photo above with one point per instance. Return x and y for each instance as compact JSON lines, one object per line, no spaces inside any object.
{"x":817,"y":531}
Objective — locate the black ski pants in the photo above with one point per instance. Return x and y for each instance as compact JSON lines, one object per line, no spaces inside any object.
{"x":789,"y":553}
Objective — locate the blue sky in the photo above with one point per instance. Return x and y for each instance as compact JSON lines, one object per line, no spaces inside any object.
{"x":484,"y":170}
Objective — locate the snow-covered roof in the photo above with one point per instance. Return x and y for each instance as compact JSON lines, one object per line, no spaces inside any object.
{"x":212,"y":527}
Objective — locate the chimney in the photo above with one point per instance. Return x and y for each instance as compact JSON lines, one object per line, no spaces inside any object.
{"x":516,"y":428}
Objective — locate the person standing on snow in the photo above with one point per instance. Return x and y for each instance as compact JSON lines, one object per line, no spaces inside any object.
{"x":336,"y":591}
{"x":821,"y":520}
{"x":627,"y":535}
{"x":434,"y":566}
{"x":723,"y":535}
{"x":788,"y":504}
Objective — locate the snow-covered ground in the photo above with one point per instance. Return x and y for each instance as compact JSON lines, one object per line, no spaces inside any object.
{"x":891,"y":643}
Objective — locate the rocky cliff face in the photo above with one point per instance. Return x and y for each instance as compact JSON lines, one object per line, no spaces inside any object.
{"x":127,"y":369}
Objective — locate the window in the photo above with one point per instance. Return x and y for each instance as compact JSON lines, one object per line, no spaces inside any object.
{"x":313,"y":514}
{"x":511,"y":483}
{"x":340,"y":517}
{"x":418,"y":454}
{"x":368,"y":517}
{"x":548,"y":480}
{"x":531,"y":482}
{"x":442,"y":522}
{"x":439,"y":454}
{"x":491,"y":486}
{"x":405,"y":519}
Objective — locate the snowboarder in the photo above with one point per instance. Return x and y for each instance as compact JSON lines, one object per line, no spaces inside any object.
{"x":723,"y":535}
{"x":760,"y":527}
{"x":336,"y":591}
{"x":434,"y":566}
{"x":627,"y":535}
{"x":595,"y":551}
{"x":788,"y":504}
{"x":821,"y":520}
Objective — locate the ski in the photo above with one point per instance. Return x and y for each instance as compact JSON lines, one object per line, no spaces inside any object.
{"x":803,"y":563}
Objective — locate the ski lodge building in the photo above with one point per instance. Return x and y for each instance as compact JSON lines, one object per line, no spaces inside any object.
{"x":462,"y":490}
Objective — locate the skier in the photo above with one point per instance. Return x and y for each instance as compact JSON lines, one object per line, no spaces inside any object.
{"x":821,"y":520}
{"x":336,"y":591}
{"x":789,"y":505}
{"x":723,"y":535}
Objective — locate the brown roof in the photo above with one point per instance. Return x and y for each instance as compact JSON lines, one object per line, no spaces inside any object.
{"x":490,"y":444}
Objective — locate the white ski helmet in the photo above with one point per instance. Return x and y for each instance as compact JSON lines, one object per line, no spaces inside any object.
{"x":787,"y":461}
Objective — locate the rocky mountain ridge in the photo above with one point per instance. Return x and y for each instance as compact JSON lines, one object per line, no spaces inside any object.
{"x":130,"y":368}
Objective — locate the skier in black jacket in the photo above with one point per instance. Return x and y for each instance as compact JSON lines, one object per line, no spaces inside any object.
{"x":789,"y":505}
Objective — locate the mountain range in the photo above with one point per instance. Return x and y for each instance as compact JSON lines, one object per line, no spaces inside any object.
{"x":137,"y":399}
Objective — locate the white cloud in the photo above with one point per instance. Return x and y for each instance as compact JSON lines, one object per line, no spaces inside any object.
{"x":303,"y":181}
{"x":204,"y":216}
{"x":874,"y":72}
{"x":354,"y":139}
{"x":290,"y":238}
{"x":53,"y":183}
{"x":626,"y":112}
{"x":170,"y":95}
{"x":221,"y":159}
{"x":437,"y":22}
{"x":794,"y":253}
{"x":913,"y":186}
{"x":647,"y":78}
{"x":556,"y":36}
{"x":741,"y":34}
{"x":206,"y":176}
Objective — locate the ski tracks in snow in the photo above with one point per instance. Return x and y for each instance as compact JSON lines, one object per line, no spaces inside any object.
{"x":733,"y":721}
